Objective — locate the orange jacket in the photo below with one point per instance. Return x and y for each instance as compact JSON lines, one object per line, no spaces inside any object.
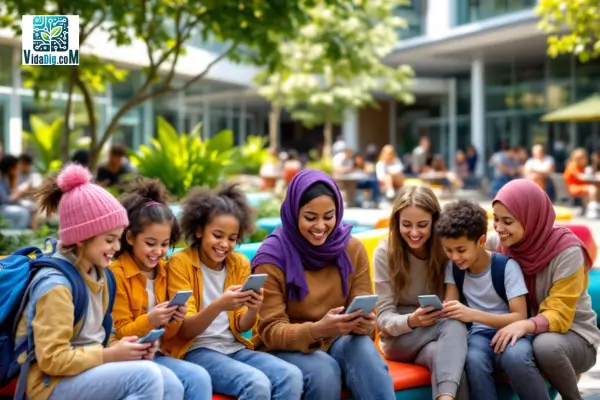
{"x":185,"y":274}
{"x":130,"y":312}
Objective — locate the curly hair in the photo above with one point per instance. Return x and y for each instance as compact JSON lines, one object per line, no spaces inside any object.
{"x":146,"y":203}
{"x":202,"y":206}
{"x":398,"y":250}
{"x":48,"y":195}
{"x":462,"y":218}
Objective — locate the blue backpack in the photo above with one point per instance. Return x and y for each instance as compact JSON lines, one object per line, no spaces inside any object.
{"x":18,"y":276}
{"x":498,"y":274}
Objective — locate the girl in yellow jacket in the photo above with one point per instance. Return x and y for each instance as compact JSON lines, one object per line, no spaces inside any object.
{"x":73,"y":362}
{"x":218,"y":311}
{"x":141,"y":275}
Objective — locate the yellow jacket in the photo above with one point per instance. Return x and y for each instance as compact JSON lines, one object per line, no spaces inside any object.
{"x":130,"y":311}
{"x":185,"y":274}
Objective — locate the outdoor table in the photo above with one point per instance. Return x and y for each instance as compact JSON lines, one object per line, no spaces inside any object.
{"x":347,"y":183}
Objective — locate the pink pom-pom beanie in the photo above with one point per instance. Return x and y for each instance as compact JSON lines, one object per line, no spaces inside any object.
{"x":85,"y":209}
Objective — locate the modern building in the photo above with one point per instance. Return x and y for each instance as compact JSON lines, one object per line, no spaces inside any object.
{"x":490,"y":59}
{"x":483,"y":77}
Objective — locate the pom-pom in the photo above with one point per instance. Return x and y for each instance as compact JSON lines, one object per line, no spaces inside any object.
{"x":72,"y":176}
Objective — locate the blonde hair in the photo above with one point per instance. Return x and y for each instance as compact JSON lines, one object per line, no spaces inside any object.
{"x":398,"y":250}
{"x":388,"y":149}
{"x":577,"y":154}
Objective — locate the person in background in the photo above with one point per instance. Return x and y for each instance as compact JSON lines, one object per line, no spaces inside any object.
{"x":291,"y":166}
{"x":389,"y":170}
{"x":270,"y":170}
{"x":420,"y":155}
{"x":81,"y":157}
{"x":10,"y":209}
{"x":343,"y":164}
{"x":28,"y":179}
{"x":506,"y":167}
{"x":472,"y":158}
{"x":576,"y":168}
{"x":539,"y":167}
{"x":339,"y":145}
{"x":114,"y":170}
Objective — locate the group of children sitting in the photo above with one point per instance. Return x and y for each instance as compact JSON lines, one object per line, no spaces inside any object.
{"x":202,"y":349}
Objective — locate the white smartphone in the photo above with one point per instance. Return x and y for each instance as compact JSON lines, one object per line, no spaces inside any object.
{"x":180,"y":298}
{"x":254,"y":282}
{"x":431,"y":300}
{"x":364,"y":303}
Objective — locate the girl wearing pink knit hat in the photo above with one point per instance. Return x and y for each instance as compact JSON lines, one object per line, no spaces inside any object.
{"x":75,"y":362}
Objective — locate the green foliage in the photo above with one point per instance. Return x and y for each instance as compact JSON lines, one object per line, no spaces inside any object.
{"x":182,"y":161}
{"x":582,"y":20}
{"x":259,"y":235}
{"x":45,"y":139}
{"x":335,"y":63}
{"x":252,"y":155}
{"x":13,"y":240}
{"x":268,"y":209}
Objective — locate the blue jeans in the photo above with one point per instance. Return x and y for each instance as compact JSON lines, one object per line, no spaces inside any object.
{"x":372,"y":185}
{"x":127,"y":380}
{"x":249,"y":375}
{"x":516,"y":361}
{"x":353,"y":357}
{"x":195,"y":379}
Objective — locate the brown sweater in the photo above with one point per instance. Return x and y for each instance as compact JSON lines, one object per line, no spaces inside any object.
{"x":285,"y":324}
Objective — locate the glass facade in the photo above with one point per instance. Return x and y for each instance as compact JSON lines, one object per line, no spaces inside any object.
{"x":413,"y":13}
{"x":468,"y":11}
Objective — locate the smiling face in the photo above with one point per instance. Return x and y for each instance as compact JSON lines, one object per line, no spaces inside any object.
{"x":462,"y":251}
{"x":100,"y":250}
{"x":150,"y":245}
{"x":317,"y":219}
{"x":415,"y":227}
{"x":218,"y":240}
{"x":509,"y":229}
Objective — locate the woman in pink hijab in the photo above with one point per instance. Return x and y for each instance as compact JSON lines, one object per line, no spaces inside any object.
{"x":555,"y":264}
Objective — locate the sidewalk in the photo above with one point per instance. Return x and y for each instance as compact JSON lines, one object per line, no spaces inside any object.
{"x":589,"y":384}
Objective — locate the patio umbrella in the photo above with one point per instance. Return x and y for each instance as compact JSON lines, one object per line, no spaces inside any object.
{"x":586,"y":110}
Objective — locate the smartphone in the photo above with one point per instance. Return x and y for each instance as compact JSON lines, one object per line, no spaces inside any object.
{"x":364,"y":303}
{"x":152,"y":336}
{"x":431,"y":300}
{"x":180,"y":298}
{"x":254,"y":282}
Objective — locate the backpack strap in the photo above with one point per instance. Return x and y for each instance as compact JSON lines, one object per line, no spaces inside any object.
{"x":499,"y":262}
{"x":78,"y":287}
{"x":459,"y":279}
{"x":107,"y":322}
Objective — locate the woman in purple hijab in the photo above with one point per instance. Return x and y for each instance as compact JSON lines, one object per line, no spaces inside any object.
{"x":316,"y":268}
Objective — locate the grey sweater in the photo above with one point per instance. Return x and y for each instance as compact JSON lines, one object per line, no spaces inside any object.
{"x":564,"y":265}
{"x":393,"y":308}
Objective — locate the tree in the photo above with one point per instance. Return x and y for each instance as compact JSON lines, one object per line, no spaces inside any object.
{"x":336,"y":63}
{"x":582,"y":20}
{"x":251,"y":30}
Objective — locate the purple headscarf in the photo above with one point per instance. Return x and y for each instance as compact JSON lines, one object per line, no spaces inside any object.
{"x":288,"y":250}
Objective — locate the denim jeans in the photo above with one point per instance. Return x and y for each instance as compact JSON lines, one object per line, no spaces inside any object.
{"x":249,"y":375}
{"x":196,"y":381}
{"x":128,"y":380}
{"x":516,"y":361}
{"x":355,"y":358}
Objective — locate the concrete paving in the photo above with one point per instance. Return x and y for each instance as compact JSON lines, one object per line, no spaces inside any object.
{"x":589,"y":384}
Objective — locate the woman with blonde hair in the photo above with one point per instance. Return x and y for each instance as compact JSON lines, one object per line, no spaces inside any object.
{"x":409,"y":263}
{"x":389,"y":170}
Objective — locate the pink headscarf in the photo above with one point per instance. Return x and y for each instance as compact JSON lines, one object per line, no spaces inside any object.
{"x":542,"y":240}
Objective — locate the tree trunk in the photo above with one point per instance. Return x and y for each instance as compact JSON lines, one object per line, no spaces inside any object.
{"x":327,"y":138}
{"x":65,"y":138}
{"x":274,"y":127}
